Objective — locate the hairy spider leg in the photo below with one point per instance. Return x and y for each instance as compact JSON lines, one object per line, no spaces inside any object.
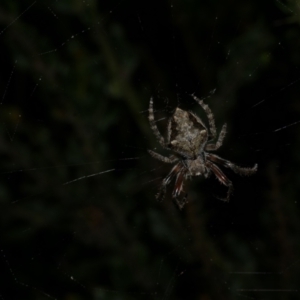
{"x":178,"y":188}
{"x":228,"y":164}
{"x":162,"y":191}
{"x":210,"y":116}
{"x":222,"y":178}
{"x":218,"y":144}
{"x":181,"y":203}
{"x":153,"y":126}
{"x":169,"y":160}
{"x":178,"y":183}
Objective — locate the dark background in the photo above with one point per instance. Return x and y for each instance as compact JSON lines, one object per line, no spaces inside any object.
{"x":76,"y":106}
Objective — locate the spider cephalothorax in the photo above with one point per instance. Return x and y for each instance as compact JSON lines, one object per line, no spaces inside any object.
{"x":191,"y":141}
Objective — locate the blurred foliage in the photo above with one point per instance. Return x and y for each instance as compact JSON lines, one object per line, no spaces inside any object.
{"x":76,"y":78}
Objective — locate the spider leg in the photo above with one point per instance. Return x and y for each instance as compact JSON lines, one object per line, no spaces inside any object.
{"x":228,"y":164}
{"x":169,"y":131}
{"x":218,"y":144}
{"x":169,"y":160}
{"x":210,"y":116}
{"x":181,"y":202}
{"x":162,"y":191}
{"x":178,"y":184}
{"x":222,"y":178}
{"x":178,"y":188}
{"x":160,"y":196}
{"x":153,"y":126}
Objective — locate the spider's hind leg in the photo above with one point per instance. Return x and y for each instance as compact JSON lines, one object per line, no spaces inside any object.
{"x":163,"y":188}
{"x":222,"y":178}
{"x":178,"y":189}
{"x":160,"y":196}
{"x":181,"y":202}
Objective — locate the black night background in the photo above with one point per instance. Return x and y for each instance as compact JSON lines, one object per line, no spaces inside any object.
{"x":78,"y":214}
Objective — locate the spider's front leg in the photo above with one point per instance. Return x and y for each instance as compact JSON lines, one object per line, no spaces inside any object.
{"x":218,"y":144}
{"x":153,"y":126}
{"x":210,"y":116}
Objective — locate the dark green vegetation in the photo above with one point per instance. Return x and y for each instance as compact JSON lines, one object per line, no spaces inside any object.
{"x":75,"y":106}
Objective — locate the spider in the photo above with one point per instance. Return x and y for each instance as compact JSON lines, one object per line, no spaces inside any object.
{"x":192,"y":142}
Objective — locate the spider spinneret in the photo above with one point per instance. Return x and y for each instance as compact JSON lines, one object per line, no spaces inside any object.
{"x":191,"y":142}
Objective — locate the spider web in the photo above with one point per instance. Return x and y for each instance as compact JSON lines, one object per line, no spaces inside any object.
{"x":79,"y":218}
